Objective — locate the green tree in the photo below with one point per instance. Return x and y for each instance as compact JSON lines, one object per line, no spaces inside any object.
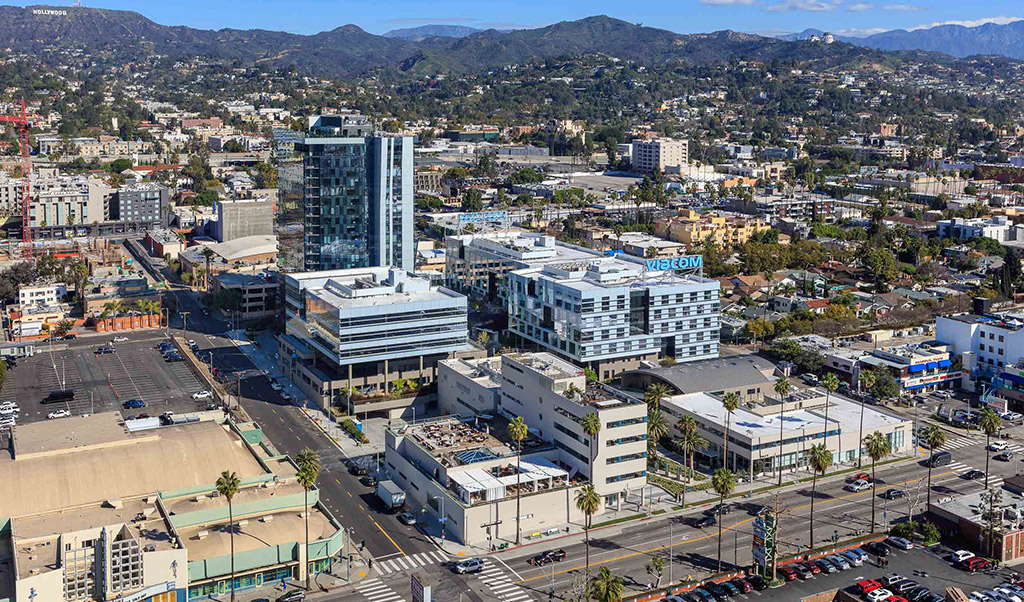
{"x":730,"y":402}
{"x":654,"y":394}
{"x":935,"y":438}
{"x":517,"y":431}
{"x":208,"y":254}
{"x":472,"y":201}
{"x":885,"y":387}
{"x":878,"y":447}
{"x":865,"y":380}
{"x":591,"y":424}
{"x":656,"y":569}
{"x":607,"y":587}
{"x":820,"y":459}
{"x":227,"y":486}
{"x":990,"y":423}
{"x":782,"y":389}
{"x":723,"y":481}
{"x":309,"y":466}
{"x":588,"y":501}
{"x":657,"y":427}
{"x":690,"y":442}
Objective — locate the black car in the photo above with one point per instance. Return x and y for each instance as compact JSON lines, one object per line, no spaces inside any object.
{"x":369,"y":480}
{"x":758,"y":582}
{"x":705,"y":521}
{"x":974,"y":474}
{"x":878,"y":549}
{"x":918,"y":593}
{"x":720,"y":593}
{"x":547,"y":557}
{"x":893,"y":494}
{"x":718,"y":509}
{"x":296,"y":595}
{"x":357,"y":470}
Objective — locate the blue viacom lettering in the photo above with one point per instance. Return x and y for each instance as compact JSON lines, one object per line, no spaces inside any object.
{"x":687,"y":262}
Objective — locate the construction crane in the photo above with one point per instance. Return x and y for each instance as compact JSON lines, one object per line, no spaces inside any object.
{"x":23,"y":124}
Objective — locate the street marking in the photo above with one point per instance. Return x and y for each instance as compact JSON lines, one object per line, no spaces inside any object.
{"x":388,"y":536}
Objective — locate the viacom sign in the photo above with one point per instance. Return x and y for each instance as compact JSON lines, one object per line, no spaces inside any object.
{"x":686,"y":262}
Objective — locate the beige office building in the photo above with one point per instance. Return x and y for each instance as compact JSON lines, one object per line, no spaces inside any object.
{"x":660,"y":154}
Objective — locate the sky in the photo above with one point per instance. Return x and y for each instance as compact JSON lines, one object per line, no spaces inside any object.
{"x":767,"y":17}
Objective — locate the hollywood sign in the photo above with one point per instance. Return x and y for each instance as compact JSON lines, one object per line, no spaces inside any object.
{"x":49,"y":12}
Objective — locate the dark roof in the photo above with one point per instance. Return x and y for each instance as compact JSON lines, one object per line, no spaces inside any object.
{"x":712,"y":375}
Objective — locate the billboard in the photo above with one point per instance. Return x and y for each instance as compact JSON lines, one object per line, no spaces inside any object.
{"x":763,"y":548}
{"x":482,"y":216}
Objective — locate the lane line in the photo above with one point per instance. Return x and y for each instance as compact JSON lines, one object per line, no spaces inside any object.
{"x":398,"y":547}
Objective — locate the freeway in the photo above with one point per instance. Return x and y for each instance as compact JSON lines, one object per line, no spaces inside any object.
{"x":290,"y":431}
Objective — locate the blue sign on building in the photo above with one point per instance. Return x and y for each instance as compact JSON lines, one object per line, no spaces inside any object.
{"x":686,"y":262}
{"x":483,"y":216}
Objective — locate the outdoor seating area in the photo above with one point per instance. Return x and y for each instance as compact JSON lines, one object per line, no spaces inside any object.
{"x":478,"y":485}
{"x":451,"y":436}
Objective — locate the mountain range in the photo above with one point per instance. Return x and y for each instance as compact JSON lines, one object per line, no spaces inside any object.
{"x":348,"y":50}
{"x":954,"y":40}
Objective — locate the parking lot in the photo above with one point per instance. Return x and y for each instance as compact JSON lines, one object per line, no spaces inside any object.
{"x":930,"y":567}
{"x":102,"y":382}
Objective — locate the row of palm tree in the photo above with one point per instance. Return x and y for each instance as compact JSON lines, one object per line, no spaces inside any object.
{"x":117,"y":308}
{"x":228,"y":484}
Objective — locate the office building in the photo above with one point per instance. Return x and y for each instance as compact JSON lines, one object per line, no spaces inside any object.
{"x":660,"y":155}
{"x":996,"y":227}
{"x":552,"y":396}
{"x":610,"y":314}
{"x":352,"y":334}
{"x":244,"y":217}
{"x":754,"y":429}
{"x":256,"y":294}
{"x":917,"y":368}
{"x":142,"y":206}
{"x":82,"y":524}
{"x":358,"y":197}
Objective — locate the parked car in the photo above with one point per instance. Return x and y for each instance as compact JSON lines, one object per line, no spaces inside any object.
{"x":961,"y":555}
{"x":841,"y":563}
{"x":407,"y":518}
{"x":705,"y":521}
{"x":743,"y":585}
{"x":826,"y":567}
{"x":357,"y":470}
{"x":720,"y":593}
{"x":860,"y":554}
{"x":905,"y":586}
{"x":851,"y":557}
{"x":901,"y":543}
{"x":813,"y":568}
{"x":878,"y":595}
{"x":878,"y":549}
{"x":867,"y":586}
{"x":133,"y":404}
{"x":758,"y":582}
{"x":731,"y":589}
{"x":703,"y":595}
{"x":369,"y":480}
{"x":974,"y":564}
{"x":919,"y":594}
{"x":296,"y":595}
{"x":892,"y":578}
{"x":58,"y":414}
{"x":802,"y":571}
{"x":470,"y":565}
{"x":202,"y":395}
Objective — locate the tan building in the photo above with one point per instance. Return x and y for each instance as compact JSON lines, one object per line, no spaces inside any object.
{"x":691,"y":229}
{"x":660,"y":154}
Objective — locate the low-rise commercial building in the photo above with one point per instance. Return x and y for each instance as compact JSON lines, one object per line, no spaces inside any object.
{"x":351,"y":335}
{"x":918,"y":368}
{"x":961,"y":519}
{"x":251,"y":252}
{"x":252,"y":296}
{"x":748,"y":376}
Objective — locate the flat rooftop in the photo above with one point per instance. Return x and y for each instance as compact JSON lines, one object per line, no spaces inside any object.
{"x":255,"y":533}
{"x":457,"y":440}
{"x":106,"y":469}
{"x":1007,"y":321}
{"x":713,"y":374}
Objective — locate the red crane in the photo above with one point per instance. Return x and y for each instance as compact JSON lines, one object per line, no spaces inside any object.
{"x":24,"y":125}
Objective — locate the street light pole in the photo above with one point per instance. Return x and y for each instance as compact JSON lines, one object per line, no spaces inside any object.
{"x":184,"y":317}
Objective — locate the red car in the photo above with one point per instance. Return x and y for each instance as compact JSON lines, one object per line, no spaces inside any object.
{"x":787,"y":573}
{"x":860,"y":476}
{"x":743,"y":585}
{"x":868,"y":585}
{"x":973,"y":564}
{"x":895,"y":599}
{"x":813,"y":568}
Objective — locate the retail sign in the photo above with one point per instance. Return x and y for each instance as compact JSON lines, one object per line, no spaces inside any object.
{"x":686,"y":262}
{"x":483,"y":216}
{"x":420,"y":592}
{"x":153,"y":590}
{"x":764,"y":544}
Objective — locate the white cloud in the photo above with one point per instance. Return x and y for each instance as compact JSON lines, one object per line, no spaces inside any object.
{"x":969,"y":23}
{"x":729,"y":2}
{"x":902,"y":7}
{"x":859,"y":6}
{"x":788,"y":6}
{"x":859,"y":33}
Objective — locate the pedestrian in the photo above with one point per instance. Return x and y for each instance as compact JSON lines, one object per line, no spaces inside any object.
{"x":369,"y":563}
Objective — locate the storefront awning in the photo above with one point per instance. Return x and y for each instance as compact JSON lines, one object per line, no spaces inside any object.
{"x":917,"y":368}
{"x":945,"y":363}
{"x":933,"y":365}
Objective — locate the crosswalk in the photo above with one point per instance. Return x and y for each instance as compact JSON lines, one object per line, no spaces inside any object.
{"x":959,"y":442}
{"x":500,"y":585}
{"x":405,"y":563}
{"x":376,"y":590}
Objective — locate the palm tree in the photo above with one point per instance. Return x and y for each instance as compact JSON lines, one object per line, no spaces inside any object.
{"x":730,"y":402}
{"x":657,"y":427}
{"x":723,"y":481}
{"x":517,"y":431}
{"x":208,"y":253}
{"x":935,"y":438}
{"x":782,"y":390}
{"x":591,"y":427}
{"x":588,"y":501}
{"x":691,"y":442}
{"x":878,"y":447}
{"x":654,"y":394}
{"x":606,"y":587}
{"x":309,"y":471}
{"x":990,"y":422}
{"x":867,"y":380}
{"x":820,"y":458}
{"x":831,"y":383}
{"x":227,"y":485}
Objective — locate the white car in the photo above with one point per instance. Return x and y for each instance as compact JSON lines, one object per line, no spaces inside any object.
{"x":58,"y":414}
{"x":120,"y":339}
{"x":202,"y":395}
{"x":275,"y":386}
{"x":860,"y":485}
{"x":1008,"y":593}
{"x":962,"y":555}
{"x":1013,"y":416}
{"x":878,"y":595}
{"x":998,"y":446}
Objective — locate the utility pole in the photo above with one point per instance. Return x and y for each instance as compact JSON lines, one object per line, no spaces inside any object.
{"x":184,"y":317}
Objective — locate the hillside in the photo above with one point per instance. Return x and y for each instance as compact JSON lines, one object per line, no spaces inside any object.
{"x":954,"y":40}
{"x":423,"y":32}
{"x":349,"y":51}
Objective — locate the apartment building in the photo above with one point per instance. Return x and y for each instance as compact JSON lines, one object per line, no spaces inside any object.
{"x":351,"y":334}
{"x":692,"y":229}
{"x":986,"y":343}
{"x":996,"y":227}
{"x":660,"y":155}
{"x":552,"y":396}
{"x":610,"y":314}
{"x":143,"y":205}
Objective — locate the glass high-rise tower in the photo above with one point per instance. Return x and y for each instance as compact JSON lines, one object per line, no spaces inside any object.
{"x":357,"y":196}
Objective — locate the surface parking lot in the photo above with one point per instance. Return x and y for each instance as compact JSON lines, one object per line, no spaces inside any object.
{"x":102,"y":382}
{"x":930,"y":567}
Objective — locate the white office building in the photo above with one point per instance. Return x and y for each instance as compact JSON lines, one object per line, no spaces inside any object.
{"x":996,"y":227}
{"x":610,"y":314}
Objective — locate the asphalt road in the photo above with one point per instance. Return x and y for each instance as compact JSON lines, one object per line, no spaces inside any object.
{"x":287,"y":428}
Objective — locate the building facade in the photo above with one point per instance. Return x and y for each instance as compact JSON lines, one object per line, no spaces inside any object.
{"x":244,"y":217}
{"x":143,"y":205}
{"x":660,"y":155}
{"x":358,"y":196}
